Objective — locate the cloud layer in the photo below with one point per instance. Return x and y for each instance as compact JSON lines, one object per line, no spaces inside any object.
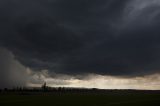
{"x":14,"y":74}
{"x":107,"y":37}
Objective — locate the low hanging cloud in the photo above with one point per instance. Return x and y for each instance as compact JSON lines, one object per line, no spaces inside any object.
{"x":12,"y":72}
{"x":107,"y":37}
{"x":104,"y":82}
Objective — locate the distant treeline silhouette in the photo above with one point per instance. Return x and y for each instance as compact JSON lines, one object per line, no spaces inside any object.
{"x":50,"y":90}
{"x":47,"y":89}
{"x":64,"y":90}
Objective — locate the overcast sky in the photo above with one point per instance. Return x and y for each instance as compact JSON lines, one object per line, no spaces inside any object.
{"x":73,"y":43}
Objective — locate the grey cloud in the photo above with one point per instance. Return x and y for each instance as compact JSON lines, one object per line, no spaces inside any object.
{"x":12,"y":73}
{"x":81,"y":37}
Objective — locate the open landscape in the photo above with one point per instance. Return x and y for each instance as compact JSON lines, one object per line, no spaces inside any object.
{"x":77,"y":97}
{"x":79,"y":52}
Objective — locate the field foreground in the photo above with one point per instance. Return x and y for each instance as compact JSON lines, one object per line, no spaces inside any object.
{"x":94,"y":98}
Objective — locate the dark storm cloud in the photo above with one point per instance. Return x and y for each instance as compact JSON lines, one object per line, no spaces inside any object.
{"x":82,"y":36}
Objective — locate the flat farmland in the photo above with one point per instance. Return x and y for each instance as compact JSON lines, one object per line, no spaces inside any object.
{"x":107,"y":98}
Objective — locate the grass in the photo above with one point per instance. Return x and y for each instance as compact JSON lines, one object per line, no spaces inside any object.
{"x":80,"y":99}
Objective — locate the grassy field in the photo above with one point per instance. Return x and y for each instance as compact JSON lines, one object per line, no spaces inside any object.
{"x":120,"y":98}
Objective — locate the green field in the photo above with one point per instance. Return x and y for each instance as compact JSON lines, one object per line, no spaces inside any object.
{"x":80,"y":99}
